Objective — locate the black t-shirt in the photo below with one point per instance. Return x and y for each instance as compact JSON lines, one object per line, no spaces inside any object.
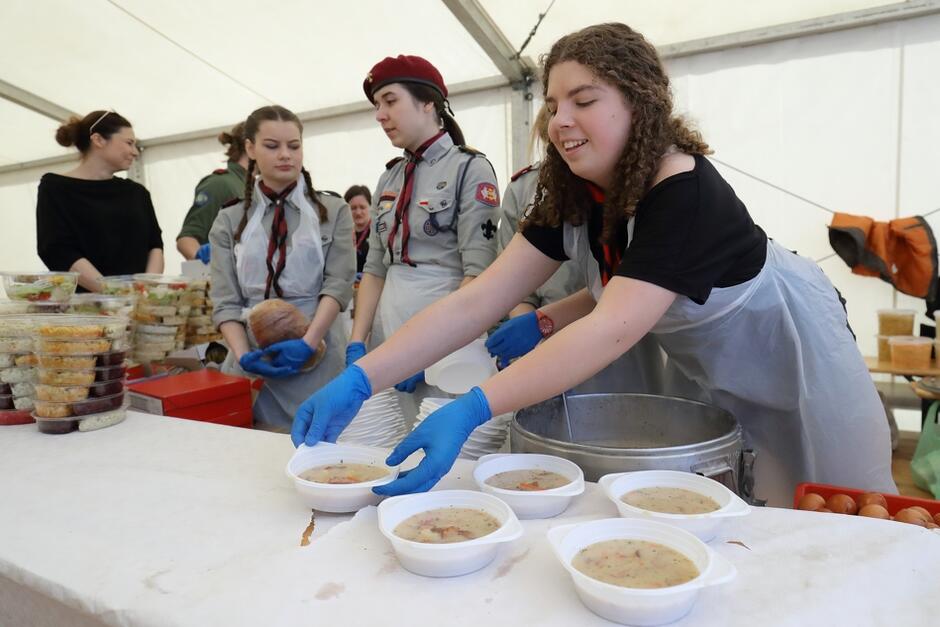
{"x":362,"y":248}
{"x":691,"y":234}
{"x":110,"y":222}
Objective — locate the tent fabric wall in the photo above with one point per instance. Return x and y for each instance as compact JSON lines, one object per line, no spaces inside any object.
{"x":845,"y":119}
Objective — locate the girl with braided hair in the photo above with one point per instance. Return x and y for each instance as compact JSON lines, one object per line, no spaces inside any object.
{"x":285,"y":240}
{"x":665,"y":247}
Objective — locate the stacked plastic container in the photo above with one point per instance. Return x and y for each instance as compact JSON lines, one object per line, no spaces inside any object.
{"x":80,"y":372}
{"x":199,"y":327}
{"x":160,"y":313}
{"x":29,"y":294}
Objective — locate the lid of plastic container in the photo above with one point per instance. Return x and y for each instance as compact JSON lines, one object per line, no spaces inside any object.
{"x":896,"y":311}
{"x":909,"y":339}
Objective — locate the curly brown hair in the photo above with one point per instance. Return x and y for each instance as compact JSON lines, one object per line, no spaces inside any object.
{"x":623,"y":58}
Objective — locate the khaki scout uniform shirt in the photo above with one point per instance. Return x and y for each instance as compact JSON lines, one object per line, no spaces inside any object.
{"x":451,"y":214}
{"x":212,"y":192}
{"x":517,"y":202}
{"x":339,"y":257}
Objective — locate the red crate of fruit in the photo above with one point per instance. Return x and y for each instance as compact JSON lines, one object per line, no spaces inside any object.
{"x":894,"y":501}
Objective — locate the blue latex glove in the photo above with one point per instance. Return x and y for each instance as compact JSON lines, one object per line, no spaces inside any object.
{"x":441,"y":435}
{"x":203,"y":254}
{"x":253,"y":362}
{"x":291,"y":354}
{"x":330,"y":409}
{"x":514,"y":338}
{"x":354,"y":352}
{"x":409,"y":384}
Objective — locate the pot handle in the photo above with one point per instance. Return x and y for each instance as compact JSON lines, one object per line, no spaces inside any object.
{"x":712,"y":468}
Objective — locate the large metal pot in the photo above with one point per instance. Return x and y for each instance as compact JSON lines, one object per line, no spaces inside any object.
{"x":605,"y":433}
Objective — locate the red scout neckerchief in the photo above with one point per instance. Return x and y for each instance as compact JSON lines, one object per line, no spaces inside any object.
{"x":404,"y":199}
{"x":278,"y":239}
{"x":612,"y":256}
{"x":360,"y":238}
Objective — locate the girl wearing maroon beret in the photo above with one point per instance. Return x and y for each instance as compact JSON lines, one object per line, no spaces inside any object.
{"x":433,"y":210}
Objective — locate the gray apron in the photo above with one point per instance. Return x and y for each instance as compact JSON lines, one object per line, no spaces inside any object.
{"x":300,"y":284}
{"x":777,"y":353}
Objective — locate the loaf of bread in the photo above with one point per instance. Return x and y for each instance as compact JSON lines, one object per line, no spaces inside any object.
{"x":274,"y":320}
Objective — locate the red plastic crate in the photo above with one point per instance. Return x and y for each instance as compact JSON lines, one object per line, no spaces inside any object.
{"x":895,"y":502}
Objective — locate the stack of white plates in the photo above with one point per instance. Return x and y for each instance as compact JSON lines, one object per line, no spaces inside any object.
{"x":485,"y":439}
{"x":380,"y":422}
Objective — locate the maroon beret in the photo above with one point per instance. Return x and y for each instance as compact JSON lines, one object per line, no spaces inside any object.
{"x":403,"y":69}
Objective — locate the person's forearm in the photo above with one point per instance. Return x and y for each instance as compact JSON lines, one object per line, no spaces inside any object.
{"x":466,"y":280}
{"x":327,"y":310}
{"x":188,"y":246}
{"x":569,"y":309}
{"x":521,"y":309}
{"x":367,"y":300}
{"x":155,"y":261}
{"x":585,"y":347}
{"x":236,"y":337}
{"x":88,"y":274}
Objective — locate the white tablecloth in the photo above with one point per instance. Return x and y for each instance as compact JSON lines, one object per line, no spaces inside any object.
{"x":162,"y":521}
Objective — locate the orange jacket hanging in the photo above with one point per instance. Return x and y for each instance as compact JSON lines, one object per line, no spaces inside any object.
{"x":902,"y":252}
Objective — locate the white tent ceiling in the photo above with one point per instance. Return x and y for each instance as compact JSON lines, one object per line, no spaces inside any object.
{"x":178,"y":66}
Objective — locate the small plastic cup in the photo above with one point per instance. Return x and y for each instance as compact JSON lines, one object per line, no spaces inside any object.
{"x":896,"y":321}
{"x":909,"y":352}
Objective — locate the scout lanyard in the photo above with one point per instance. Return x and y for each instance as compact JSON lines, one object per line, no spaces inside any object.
{"x":404,"y":199}
{"x":612,"y":256}
{"x":359,"y":239}
{"x":278,"y":239}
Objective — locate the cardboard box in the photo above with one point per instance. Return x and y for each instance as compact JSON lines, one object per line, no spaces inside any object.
{"x":206,"y":395}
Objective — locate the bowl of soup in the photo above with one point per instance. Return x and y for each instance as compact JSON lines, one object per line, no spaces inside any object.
{"x":448,"y":532}
{"x":338,"y":477}
{"x":534,"y":486}
{"x":637,"y":572}
{"x":682,"y":499}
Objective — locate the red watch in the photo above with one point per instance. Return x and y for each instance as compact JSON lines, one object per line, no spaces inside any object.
{"x":546,"y":324}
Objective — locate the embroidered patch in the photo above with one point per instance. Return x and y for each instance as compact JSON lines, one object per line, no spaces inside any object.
{"x":442,"y":185}
{"x":488,"y":229}
{"x":388,"y":196}
{"x":380,"y":226}
{"x":201,"y":199}
{"x":430,"y":229}
{"x":528,"y":210}
{"x":487,"y":194}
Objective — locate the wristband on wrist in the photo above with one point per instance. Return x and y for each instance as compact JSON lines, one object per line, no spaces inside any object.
{"x":546,"y":324}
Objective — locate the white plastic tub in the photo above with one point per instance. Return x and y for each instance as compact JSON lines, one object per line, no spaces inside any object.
{"x":339,"y":498}
{"x":536,"y":504}
{"x":705,"y":526}
{"x":637,"y":606}
{"x":447,"y":560}
{"x":462,"y":369}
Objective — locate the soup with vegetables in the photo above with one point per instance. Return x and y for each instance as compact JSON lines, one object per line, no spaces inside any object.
{"x":528,"y":480}
{"x":343,"y":473}
{"x":635,"y":564}
{"x":447,"y":524}
{"x":670,"y":501}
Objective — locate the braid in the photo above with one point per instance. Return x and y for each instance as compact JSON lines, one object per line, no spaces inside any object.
{"x":249,"y":192}
{"x":321,"y":208}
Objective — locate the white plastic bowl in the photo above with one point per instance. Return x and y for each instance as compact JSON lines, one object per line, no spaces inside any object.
{"x":462,"y":369}
{"x":537,"y":504}
{"x":705,"y":526}
{"x":332,"y":497}
{"x":639,"y":606}
{"x":447,"y":560}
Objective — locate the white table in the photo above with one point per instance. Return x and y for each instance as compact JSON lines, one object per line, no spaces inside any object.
{"x":169,"y":522}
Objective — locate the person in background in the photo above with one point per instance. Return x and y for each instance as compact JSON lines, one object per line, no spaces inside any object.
{"x":213,"y":191}
{"x":90,"y":221}
{"x":284,"y":240}
{"x":359,"y":199}
{"x":434,"y":208}
{"x":667,"y":248}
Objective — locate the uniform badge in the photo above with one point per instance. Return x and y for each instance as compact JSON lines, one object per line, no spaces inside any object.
{"x":429,"y":228}
{"x":442,"y":185}
{"x":201,"y":199}
{"x":487,"y":194}
{"x":528,"y":210}
{"x":488,"y":229}
{"x":380,"y":226}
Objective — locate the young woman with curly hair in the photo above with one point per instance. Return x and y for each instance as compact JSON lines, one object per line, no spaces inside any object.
{"x":666,"y":247}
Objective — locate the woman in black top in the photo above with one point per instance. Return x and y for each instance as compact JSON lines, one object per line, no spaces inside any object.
{"x":359,"y":199}
{"x":665,"y":246}
{"x":89,"y":221}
